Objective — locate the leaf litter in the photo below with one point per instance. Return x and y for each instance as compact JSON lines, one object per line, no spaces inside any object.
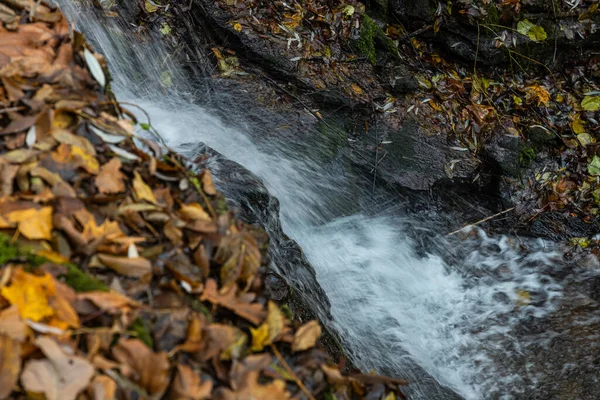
{"x":118,"y":278}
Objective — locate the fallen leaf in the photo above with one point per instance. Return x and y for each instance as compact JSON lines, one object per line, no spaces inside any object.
{"x":30,"y":294}
{"x":207,"y":183}
{"x":152,"y":369}
{"x":102,"y":388}
{"x":241,"y":306}
{"x":590,"y":103}
{"x":12,"y":325}
{"x":110,"y":178}
{"x":94,"y":66}
{"x":240,"y":256}
{"x":33,"y":223}
{"x":57,"y":377}
{"x":245,"y":377}
{"x":225,"y":342}
{"x":306,"y":336}
{"x":133,"y":267}
{"x":594,"y":166}
{"x":10,"y":365}
{"x":142,"y":190}
{"x":194,"y":211}
{"x":108,"y":301}
{"x":187,"y":385}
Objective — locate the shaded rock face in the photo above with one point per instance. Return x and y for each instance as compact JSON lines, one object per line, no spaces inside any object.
{"x":408,"y":158}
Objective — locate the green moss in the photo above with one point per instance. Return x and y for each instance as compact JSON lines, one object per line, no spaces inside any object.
{"x":287,"y":311}
{"x":526,"y":156}
{"x":75,"y":278}
{"x":142,"y":330}
{"x":11,"y":252}
{"x":222,"y":207}
{"x":372,"y":37}
{"x":366,"y":43}
{"x":82,"y":282}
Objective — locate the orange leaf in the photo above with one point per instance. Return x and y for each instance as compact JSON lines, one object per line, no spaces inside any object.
{"x":142,"y":190}
{"x":30,"y":294}
{"x":33,"y":223}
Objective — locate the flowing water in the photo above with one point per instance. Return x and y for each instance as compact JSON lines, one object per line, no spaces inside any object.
{"x":446,"y":316}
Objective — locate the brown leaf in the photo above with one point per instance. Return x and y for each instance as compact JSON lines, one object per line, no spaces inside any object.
{"x":224,"y":341}
{"x":306,"y":336}
{"x":207,"y":183}
{"x":240,"y":256}
{"x":57,"y":377}
{"x":8,"y":173}
{"x":245,"y":378}
{"x":102,"y":388}
{"x":193,"y":211}
{"x":187,"y":385}
{"x":137,"y":267}
{"x":241,"y":306}
{"x":152,"y":369}
{"x":110,"y":178}
{"x":12,"y":325}
{"x":108,"y":301}
{"x":10,"y":365}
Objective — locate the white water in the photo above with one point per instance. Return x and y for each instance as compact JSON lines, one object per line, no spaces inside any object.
{"x":393,"y":309}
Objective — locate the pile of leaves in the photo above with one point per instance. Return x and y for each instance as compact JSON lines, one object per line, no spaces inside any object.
{"x":122,"y":272}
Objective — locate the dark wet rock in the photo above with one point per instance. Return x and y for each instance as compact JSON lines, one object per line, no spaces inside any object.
{"x":506,"y":152}
{"x":408,"y":158}
{"x":399,"y":78}
{"x":275,"y":287}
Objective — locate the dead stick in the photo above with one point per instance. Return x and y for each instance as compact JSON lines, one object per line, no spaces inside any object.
{"x":482,"y":221}
{"x":292,"y":374}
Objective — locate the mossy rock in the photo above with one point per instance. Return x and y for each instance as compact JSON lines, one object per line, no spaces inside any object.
{"x":372,"y":38}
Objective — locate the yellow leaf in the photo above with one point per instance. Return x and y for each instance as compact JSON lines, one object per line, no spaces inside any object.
{"x":30,"y":294}
{"x":356,"y":89}
{"x":523,"y":297}
{"x":578,"y":125}
{"x":275,"y":321}
{"x":194,"y":211}
{"x":86,"y":160}
{"x":33,"y":223}
{"x":539,"y":93}
{"x":149,"y":7}
{"x":142,"y":190}
{"x":260,"y":337}
{"x":237,"y":26}
{"x":53,"y":256}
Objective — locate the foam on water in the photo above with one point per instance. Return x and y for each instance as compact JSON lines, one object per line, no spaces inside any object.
{"x":397,"y":312}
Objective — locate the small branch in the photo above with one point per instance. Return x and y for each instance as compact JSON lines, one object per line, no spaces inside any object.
{"x":291,"y":372}
{"x":481,"y":221}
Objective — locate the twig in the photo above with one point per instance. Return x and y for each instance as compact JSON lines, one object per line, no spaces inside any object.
{"x":481,"y":221}
{"x":292,"y":374}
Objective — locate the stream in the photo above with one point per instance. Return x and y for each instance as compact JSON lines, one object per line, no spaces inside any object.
{"x":462,"y":318}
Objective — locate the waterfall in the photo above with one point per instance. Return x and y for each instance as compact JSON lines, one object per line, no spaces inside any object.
{"x":437,"y":322}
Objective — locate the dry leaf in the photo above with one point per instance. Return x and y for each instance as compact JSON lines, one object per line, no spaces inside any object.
{"x":33,"y":223}
{"x":187,"y":385}
{"x":142,"y":190}
{"x":306,"y":336}
{"x":59,"y":376}
{"x":102,"y":388}
{"x":10,"y":365}
{"x":133,"y":267}
{"x":152,"y":369}
{"x":207,"y":183}
{"x":108,"y":301}
{"x":110,"y":178}
{"x":241,"y":306}
{"x":12,"y":325}
{"x":194,"y":211}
